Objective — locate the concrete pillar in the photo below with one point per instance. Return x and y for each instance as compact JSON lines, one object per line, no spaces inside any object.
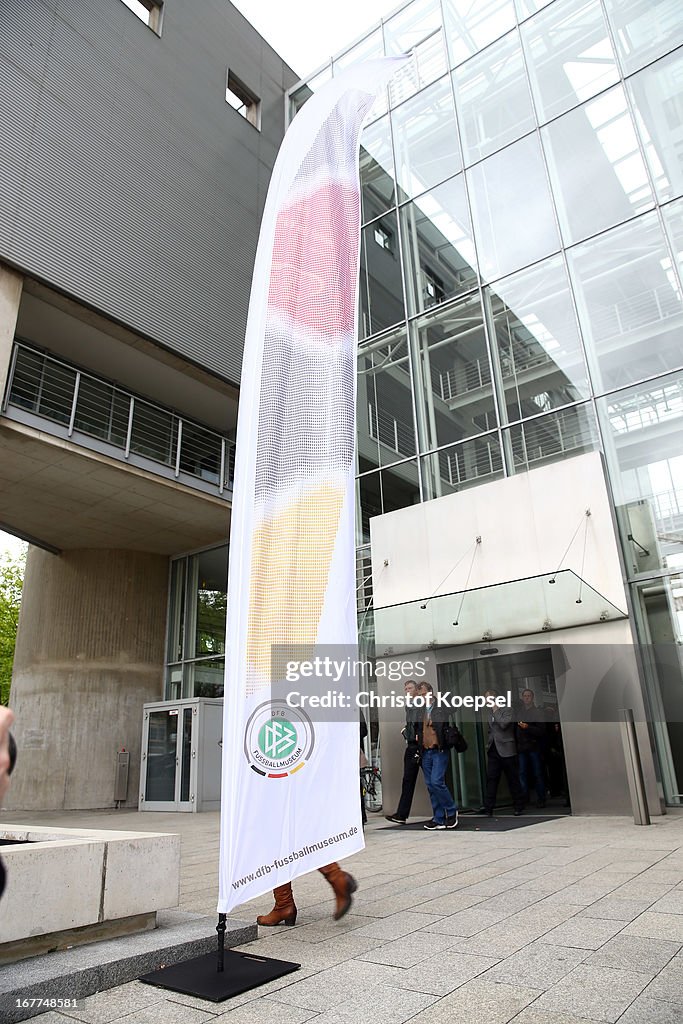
{"x":10,"y":294}
{"x":89,"y":654}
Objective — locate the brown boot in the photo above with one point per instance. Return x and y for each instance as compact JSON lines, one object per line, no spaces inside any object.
{"x":284,"y":911}
{"x":344,"y":886}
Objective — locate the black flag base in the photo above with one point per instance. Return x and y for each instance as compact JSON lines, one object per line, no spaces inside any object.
{"x":220,"y":976}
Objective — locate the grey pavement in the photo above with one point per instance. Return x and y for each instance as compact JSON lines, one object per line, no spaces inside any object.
{"x":569,"y":921}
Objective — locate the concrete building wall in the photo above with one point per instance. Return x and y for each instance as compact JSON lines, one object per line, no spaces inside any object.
{"x":89,"y":654}
{"x":10,"y":295}
{"x":129,"y":182}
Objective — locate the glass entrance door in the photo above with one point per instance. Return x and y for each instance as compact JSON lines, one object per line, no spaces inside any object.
{"x":523,"y":669}
{"x":167,"y":759}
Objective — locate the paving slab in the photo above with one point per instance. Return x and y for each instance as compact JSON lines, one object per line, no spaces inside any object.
{"x":583,"y":932}
{"x":598,"y":993}
{"x":538,"y":965}
{"x":645,"y":1010}
{"x":657,"y":926}
{"x":479,"y":1002}
{"x":635,"y":953}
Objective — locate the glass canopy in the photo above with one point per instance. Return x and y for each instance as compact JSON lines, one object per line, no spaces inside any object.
{"x":535,"y":604}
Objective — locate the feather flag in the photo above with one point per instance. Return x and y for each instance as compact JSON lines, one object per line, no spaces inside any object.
{"x":290,"y":786}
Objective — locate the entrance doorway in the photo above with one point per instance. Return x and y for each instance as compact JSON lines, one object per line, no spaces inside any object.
{"x":181,"y":755}
{"x":517,"y":671}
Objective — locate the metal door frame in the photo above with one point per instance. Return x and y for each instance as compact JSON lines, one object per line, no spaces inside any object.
{"x":180,"y":707}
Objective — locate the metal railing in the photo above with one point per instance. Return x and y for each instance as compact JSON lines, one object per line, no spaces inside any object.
{"x":634,"y":311}
{"x":395,"y":434}
{"x":86,"y":405}
{"x":462,"y":379}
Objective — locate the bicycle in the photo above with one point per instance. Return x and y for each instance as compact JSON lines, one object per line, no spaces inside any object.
{"x":371,"y":781}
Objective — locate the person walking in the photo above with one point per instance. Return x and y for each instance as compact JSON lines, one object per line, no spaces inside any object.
{"x":284,"y":911}
{"x":531,"y":729}
{"x":501,"y":759}
{"x":411,"y":763}
{"x":428,"y":732}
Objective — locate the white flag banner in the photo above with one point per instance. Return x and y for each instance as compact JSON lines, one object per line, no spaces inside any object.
{"x":290,"y":785}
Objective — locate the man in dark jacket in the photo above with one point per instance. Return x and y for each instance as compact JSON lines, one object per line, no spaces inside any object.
{"x":501,"y":750}
{"x":427,"y":731}
{"x":531,"y":730}
{"x":411,"y":763}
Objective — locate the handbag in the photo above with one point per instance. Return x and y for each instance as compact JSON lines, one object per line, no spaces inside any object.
{"x":454,"y":739}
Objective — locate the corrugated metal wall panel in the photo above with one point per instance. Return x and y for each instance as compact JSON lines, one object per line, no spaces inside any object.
{"x":129,"y":183}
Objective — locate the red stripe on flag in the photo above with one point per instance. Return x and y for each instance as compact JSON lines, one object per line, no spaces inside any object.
{"x":315,"y":259}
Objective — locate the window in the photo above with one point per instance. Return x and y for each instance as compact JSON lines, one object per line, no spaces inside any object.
{"x":147,"y":11}
{"x":243,"y":100}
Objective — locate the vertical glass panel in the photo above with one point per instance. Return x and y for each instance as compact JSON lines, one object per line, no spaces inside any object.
{"x":376,"y":169}
{"x":644,"y":29}
{"x":673,"y":220}
{"x":493,"y":99}
{"x":471,"y":26}
{"x":200,"y":452}
{"x":400,"y":486}
{"x":659,"y":612}
{"x":537,"y":340}
{"x":455,"y":375}
{"x":370,"y":47}
{"x":657,"y":95}
{"x":596,"y":166}
{"x":385,"y":491}
{"x":645,"y":428}
{"x":460,"y":466}
{"x":514,"y":222}
{"x":162,"y":737}
{"x":569,"y":54}
{"x":560,"y":435}
{"x":102,"y":411}
{"x":416,"y":30}
{"x":385,"y":408}
{"x":438,"y":246}
{"x":186,"y":755}
{"x":426,"y":140}
{"x":369,"y":504}
{"x":154,"y":433}
{"x":205,"y":678}
{"x":27,"y":379}
{"x":629,"y":302}
{"x":176,"y":610}
{"x":381,"y":287}
{"x":56,"y":391}
{"x":212,"y":586}
{"x":174,"y":682}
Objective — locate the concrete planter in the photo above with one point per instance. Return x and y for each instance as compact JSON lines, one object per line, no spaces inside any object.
{"x":69,"y":886}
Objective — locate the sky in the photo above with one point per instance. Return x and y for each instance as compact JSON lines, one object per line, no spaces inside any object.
{"x":305,"y":36}
{"x":306,"y":33}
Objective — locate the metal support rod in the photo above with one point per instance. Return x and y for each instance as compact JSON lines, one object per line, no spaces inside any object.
{"x":634,"y":768}
{"x":178,"y":446}
{"x":129,"y":431}
{"x":220,"y":928}
{"x":72,"y":418}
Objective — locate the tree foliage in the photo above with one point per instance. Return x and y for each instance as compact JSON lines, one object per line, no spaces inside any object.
{"x":11,"y":581}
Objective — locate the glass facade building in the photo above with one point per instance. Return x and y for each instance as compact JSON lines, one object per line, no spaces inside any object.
{"x":521,"y":296}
